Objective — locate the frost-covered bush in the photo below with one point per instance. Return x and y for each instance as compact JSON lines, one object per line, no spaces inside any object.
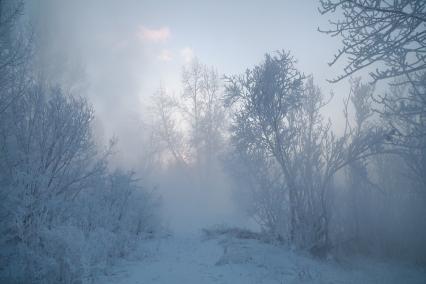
{"x":64,"y":215}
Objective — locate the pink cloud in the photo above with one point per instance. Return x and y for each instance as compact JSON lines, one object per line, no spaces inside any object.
{"x":154,"y":35}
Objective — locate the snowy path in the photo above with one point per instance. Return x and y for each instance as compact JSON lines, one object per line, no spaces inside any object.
{"x":192,"y":259}
{"x":179,"y":260}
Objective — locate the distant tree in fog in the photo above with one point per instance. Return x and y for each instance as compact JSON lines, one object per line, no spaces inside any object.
{"x":192,"y":125}
{"x":203,"y":108}
{"x":192,"y":77}
{"x":166,"y":128}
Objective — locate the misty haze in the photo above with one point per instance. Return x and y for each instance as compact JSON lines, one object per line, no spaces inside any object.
{"x":165,"y":141}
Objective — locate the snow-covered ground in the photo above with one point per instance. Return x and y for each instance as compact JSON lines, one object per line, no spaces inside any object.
{"x":193,"y":258}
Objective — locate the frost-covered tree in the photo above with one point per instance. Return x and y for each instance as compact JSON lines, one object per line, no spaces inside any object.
{"x":391,"y":33}
{"x":388,"y":36}
{"x":264,"y":98}
{"x":405,"y":112}
{"x":259,"y":187}
{"x":277,"y":109}
{"x":14,"y":53}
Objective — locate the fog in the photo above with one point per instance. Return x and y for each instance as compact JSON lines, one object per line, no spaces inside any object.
{"x":118,"y":54}
{"x":286,"y":121}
